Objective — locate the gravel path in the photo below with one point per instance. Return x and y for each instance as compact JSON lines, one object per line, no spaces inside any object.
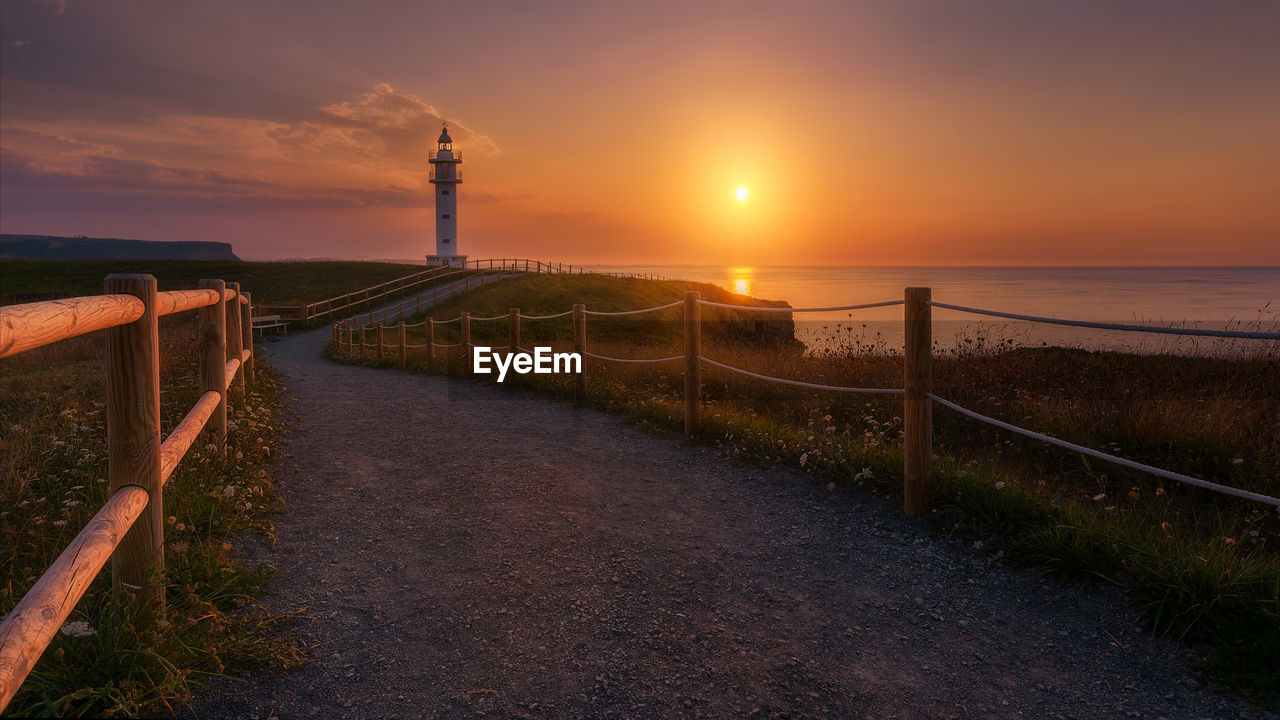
{"x":469,"y":550}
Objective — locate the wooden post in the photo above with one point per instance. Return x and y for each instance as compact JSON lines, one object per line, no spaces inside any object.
{"x":133,"y":441}
{"x":465,"y":322}
{"x":917,"y":416}
{"x":430,"y":327}
{"x":404,"y":350}
{"x":363,"y":338}
{"x":692,"y":367}
{"x":246,"y":333}
{"x":580,"y":347}
{"x":381,"y":341}
{"x":213,"y":361}
{"x":235,"y":338}
{"x":513,"y":329}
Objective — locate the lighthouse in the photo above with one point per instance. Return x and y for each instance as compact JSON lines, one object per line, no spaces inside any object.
{"x":446,"y":177}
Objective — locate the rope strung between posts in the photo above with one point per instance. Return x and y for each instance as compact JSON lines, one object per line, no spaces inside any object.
{"x":412,"y":345}
{"x":886,"y":303}
{"x":409,"y":325}
{"x":495,"y":317}
{"x":1115,"y":326}
{"x":799,"y":383}
{"x":635,"y":312}
{"x":453,"y":345}
{"x":441,"y":322}
{"x":1169,"y":475}
{"x":633,"y":360}
{"x":546,"y":317}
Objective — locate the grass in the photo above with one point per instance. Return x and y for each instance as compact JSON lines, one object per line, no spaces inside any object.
{"x":270,"y":283}
{"x":1200,"y":567}
{"x":52,"y":445}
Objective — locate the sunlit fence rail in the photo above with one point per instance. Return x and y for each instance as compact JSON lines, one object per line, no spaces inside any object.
{"x":129,"y":528}
{"x":917,"y":391}
{"x":367,"y":298}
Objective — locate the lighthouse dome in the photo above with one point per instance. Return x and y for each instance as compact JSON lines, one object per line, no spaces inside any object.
{"x":444,"y":136}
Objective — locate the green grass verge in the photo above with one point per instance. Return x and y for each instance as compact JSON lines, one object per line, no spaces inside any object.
{"x":53,"y":445}
{"x":270,"y":283}
{"x":1200,"y":567}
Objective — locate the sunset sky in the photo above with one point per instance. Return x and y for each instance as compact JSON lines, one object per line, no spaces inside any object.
{"x":939,"y":133}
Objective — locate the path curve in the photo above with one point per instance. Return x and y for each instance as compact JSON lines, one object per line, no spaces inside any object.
{"x":466,"y":549}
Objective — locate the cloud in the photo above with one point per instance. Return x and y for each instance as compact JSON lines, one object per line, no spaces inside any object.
{"x":20,"y":43}
{"x":365,"y":151}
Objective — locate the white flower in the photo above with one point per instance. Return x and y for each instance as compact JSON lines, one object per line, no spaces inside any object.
{"x":1000,"y":485}
{"x":803,"y":459}
{"x":15,"y":428}
{"x":77,"y":628}
{"x":228,"y":491}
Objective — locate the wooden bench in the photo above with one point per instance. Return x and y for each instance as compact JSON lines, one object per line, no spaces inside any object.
{"x":262,"y":323}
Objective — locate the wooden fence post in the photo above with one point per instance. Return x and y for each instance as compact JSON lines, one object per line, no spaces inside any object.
{"x":513,"y":329}
{"x":381,"y":342}
{"x":465,"y":322}
{"x":917,"y":416}
{"x":213,"y":360}
{"x":133,"y":441}
{"x":364,"y":340}
{"x":580,"y":347}
{"x":430,"y":328}
{"x":692,"y":366}
{"x":404,"y":358}
{"x":235,"y":337}
{"x":246,"y":334}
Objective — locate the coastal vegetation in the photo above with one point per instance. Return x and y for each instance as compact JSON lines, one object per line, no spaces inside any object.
{"x":53,"y":478}
{"x":270,"y":283}
{"x":1199,"y":567}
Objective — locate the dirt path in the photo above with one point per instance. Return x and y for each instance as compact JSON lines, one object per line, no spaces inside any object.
{"x":468,"y":550}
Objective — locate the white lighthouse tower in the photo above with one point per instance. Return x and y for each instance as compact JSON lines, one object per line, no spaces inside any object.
{"x":446,"y":178}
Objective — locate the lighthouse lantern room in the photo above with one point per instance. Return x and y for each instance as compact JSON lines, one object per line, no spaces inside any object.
{"x":446,"y":177}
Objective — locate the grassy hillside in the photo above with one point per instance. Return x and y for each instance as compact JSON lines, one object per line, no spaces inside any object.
{"x":551,"y":294}
{"x":271,"y":283}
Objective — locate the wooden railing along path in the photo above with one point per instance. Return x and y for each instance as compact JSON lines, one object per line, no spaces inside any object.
{"x":917,"y":391}
{"x":129,"y":528}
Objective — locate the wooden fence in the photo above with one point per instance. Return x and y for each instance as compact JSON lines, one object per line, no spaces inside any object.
{"x":368,"y":297}
{"x":129,"y":528}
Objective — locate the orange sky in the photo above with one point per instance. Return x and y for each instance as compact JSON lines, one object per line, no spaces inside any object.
{"x":878,"y":133}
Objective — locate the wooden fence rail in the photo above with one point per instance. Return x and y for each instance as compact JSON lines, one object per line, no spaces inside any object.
{"x":129,"y":528}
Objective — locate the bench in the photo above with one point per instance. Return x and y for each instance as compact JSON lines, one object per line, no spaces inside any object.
{"x":262,"y":323}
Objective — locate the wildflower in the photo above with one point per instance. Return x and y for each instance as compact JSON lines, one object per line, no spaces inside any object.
{"x":172,"y":519}
{"x":58,"y":523}
{"x":1000,"y":485}
{"x":15,"y":428}
{"x":228,"y":491}
{"x":1237,"y":461}
{"x":1099,"y":496}
{"x":77,"y":628}
{"x":180,"y":547}
{"x":803,"y":459}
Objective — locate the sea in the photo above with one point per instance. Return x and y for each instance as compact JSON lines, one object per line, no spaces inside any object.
{"x":1240,"y":298}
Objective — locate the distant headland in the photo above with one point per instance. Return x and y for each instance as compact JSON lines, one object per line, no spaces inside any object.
{"x":50,"y":247}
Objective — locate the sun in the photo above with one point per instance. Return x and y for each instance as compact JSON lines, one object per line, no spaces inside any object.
{"x":741,"y":193}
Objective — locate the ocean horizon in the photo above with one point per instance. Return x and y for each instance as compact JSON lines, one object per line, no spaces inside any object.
{"x":1212,"y":297}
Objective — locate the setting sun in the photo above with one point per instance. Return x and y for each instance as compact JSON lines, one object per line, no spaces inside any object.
{"x":741,"y":193}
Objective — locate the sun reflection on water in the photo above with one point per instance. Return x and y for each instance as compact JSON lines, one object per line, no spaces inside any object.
{"x":742,"y":280}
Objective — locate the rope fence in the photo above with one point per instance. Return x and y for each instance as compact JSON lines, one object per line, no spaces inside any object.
{"x":801,"y":383}
{"x":1241,"y":334}
{"x":916,"y":391}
